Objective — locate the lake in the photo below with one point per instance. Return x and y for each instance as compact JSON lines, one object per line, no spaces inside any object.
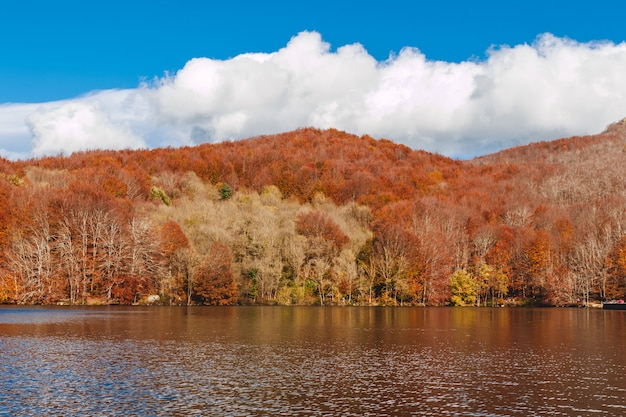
{"x":311,"y":361}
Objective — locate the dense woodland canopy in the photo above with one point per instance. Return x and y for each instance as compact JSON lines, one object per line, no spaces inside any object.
{"x":317,"y":217}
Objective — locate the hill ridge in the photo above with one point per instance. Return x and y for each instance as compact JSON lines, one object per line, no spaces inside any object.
{"x":318,"y":215}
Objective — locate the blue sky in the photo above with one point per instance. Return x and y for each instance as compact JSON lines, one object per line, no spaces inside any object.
{"x":57,"y":53}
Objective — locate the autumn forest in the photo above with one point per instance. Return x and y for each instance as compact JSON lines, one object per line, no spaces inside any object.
{"x":317,"y":217}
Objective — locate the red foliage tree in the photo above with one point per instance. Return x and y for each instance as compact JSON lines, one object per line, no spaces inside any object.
{"x":214,"y":282}
{"x":318,"y":226}
{"x":172,"y":239}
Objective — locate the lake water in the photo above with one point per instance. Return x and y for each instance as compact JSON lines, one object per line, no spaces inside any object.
{"x":311,"y":361}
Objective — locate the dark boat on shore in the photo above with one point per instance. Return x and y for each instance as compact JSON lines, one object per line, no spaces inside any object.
{"x":614,"y":305}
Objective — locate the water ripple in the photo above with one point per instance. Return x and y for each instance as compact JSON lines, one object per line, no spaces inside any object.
{"x":60,"y":372}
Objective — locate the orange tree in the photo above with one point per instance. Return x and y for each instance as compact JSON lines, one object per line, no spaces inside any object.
{"x":214,"y":282}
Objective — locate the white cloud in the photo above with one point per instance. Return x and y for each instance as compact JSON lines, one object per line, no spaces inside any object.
{"x":78,"y":125}
{"x":265,"y":93}
{"x":552,"y":88}
{"x":14,"y":135}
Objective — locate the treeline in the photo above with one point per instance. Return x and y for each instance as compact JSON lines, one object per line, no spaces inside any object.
{"x":317,"y":217}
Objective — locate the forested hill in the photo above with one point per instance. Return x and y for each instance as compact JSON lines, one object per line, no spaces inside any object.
{"x":302,"y":163}
{"x":574,"y":169}
{"x":316,"y":216}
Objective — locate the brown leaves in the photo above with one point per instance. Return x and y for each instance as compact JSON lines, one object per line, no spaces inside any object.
{"x":214,"y":283}
{"x":316,"y":225}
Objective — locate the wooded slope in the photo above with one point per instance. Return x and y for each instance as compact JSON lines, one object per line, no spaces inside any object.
{"x":315,"y":216}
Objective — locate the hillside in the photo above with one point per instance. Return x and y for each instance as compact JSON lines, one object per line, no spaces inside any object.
{"x":572,"y":169}
{"x":315,"y":216}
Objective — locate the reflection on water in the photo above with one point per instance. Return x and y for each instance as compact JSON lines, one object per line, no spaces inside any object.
{"x":311,"y":361}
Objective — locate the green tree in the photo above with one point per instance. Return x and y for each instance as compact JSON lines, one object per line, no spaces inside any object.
{"x":225,"y":192}
{"x":158,"y":194}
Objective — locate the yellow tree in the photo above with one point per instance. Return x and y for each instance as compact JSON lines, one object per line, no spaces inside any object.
{"x":463,"y":287}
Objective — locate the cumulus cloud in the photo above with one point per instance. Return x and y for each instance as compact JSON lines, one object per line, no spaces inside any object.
{"x":551,"y":88}
{"x":14,"y":135}
{"x":82,"y":125}
{"x":263,"y":93}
